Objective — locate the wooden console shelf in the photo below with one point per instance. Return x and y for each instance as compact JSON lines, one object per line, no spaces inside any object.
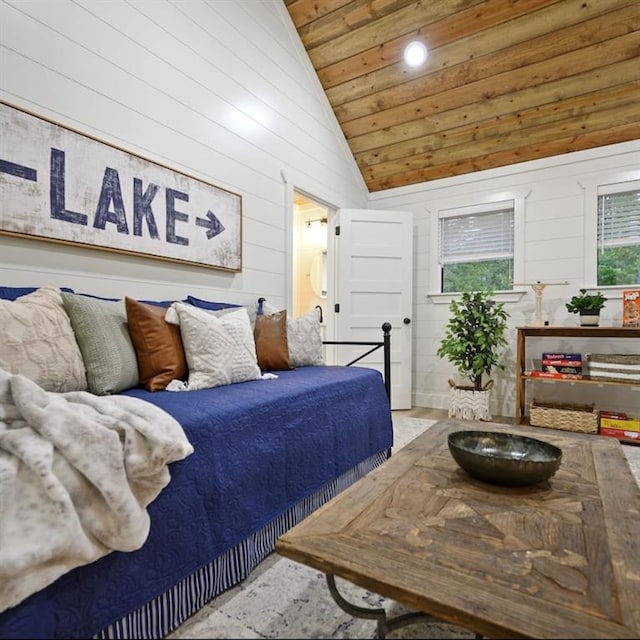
{"x":522,"y":333}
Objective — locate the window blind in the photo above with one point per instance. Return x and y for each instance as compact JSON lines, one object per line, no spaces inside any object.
{"x":476,"y":237}
{"x":619,"y":219}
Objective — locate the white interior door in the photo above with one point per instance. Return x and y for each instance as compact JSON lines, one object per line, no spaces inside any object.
{"x":373,"y":284}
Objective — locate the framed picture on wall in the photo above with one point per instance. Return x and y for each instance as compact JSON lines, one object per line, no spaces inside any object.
{"x":60,"y":185}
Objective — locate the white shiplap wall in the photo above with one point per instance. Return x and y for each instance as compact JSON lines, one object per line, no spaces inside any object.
{"x":221,"y":90}
{"x":556,"y":248}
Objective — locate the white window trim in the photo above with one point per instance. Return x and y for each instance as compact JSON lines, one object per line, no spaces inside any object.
{"x":498,"y":296}
{"x":480,"y":204}
{"x":604,"y":184}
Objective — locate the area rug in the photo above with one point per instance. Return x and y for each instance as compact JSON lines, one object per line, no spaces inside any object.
{"x":284,"y":599}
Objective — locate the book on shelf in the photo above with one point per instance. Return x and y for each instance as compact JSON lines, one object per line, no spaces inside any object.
{"x":619,"y":433}
{"x":626,"y":424}
{"x":552,"y":368}
{"x":631,"y":308}
{"x":562,"y":363}
{"x":548,"y":375}
{"x":614,"y":415}
{"x":573,"y":357}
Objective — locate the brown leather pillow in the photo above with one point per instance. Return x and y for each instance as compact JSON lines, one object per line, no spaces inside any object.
{"x":158,"y":345}
{"x":272,"y":348}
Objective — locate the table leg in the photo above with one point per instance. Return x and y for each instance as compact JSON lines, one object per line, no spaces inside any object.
{"x":385,"y":625}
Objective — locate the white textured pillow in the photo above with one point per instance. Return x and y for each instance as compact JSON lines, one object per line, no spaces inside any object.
{"x":304,"y":338}
{"x":220,"y":350}
{"x":37,"y":341}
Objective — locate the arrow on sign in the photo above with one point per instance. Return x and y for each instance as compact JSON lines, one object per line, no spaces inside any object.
{"x":18,"y":170}
{"x":213,"y":226}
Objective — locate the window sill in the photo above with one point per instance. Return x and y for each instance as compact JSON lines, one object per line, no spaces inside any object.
{"x":612,"y":292}
{"x":499,"y":296}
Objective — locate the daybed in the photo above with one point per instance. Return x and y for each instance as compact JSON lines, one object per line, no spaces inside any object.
{"x":267,"y":452}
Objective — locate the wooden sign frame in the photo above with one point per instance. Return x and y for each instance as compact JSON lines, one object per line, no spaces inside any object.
{"x":60,"y":185}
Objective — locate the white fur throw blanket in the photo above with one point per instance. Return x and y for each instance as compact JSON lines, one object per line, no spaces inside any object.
{"x":77,"y":472}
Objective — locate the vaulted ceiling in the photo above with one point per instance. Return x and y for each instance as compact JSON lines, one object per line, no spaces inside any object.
{"x":505,"y":81}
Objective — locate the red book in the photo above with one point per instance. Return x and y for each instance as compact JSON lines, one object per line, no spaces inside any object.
{"x":619,"y":433}
{"x":614,"y":415}
{"x":554,"y":376}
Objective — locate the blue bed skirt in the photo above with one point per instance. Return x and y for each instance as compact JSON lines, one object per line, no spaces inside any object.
{"x":266,"y":454}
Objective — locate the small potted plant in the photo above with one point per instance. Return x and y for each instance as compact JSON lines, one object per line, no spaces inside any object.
{"x":475,"y":335}
{"x":588,"y":305}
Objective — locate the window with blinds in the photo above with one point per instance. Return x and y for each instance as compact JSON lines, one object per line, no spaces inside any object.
{"x":476,"y":249}
{"x":619,"y":234}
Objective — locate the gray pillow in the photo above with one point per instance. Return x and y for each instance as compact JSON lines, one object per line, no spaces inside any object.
{"x":305,"y":340}
{"x":251,"y":312}
{"x":102,"y":334}
{"x":303,"y":337}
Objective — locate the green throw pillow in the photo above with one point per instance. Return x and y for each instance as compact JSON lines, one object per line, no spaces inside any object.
{"x":102,"y":334}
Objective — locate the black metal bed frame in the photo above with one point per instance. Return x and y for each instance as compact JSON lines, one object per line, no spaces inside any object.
{"x":386,"y":350}
{"x":385,"y":343}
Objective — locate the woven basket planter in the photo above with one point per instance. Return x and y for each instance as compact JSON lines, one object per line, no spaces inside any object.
{"x":465,"y":403}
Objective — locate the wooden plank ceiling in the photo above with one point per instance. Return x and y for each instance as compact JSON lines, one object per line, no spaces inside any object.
{"x":505,"y":81}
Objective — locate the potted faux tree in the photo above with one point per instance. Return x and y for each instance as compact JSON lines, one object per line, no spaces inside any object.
{"x":473,"y":342}
{"x":588,"y":305}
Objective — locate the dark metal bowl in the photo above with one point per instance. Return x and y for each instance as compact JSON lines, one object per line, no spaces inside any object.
{"x":504,"y":458}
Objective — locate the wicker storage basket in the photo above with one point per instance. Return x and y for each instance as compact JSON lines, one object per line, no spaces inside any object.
{"x":580,"y":418}
{"x":615,"y":367}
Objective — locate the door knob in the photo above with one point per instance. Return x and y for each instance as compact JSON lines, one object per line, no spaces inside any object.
{"x":407,"y":321}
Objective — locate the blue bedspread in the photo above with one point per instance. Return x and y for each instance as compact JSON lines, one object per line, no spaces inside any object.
{"x":260,"y":447}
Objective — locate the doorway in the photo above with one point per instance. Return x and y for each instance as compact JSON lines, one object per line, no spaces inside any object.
{"x":310,"y":243}
{"x":374,"y":258}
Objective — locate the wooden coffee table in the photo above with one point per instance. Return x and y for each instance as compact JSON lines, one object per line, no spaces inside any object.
{"x":560,"y":559}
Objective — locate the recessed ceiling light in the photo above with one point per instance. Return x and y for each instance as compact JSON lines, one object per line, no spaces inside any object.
{"x":415,"y":53}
